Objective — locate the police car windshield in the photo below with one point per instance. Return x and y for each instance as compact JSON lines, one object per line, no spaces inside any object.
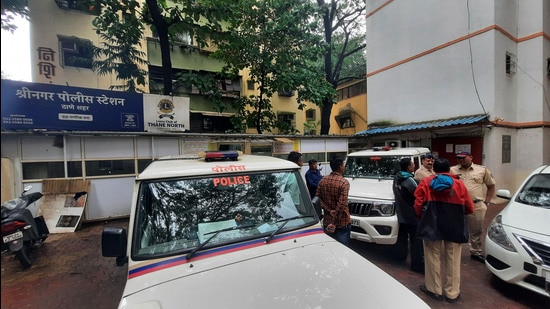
{"x":372,"y":167}
{"x":178,"y":215}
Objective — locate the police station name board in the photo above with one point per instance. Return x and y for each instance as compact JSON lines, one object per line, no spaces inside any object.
{"x":32,"y":106}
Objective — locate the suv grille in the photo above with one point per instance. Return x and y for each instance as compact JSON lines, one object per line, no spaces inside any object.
{"x":536,"y":249}
{"x":359,"y":209}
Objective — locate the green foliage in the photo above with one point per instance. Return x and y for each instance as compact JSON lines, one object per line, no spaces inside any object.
{"x":10,"y":9}
{"x":121,"y":31}
{"x":276,"y":41}
{"x":310,"y":126}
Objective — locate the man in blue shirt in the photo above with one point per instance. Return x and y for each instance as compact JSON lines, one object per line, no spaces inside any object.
{"x":313,"y":176}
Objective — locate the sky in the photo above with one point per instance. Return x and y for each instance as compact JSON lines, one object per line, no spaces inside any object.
{"x":16,"y":55}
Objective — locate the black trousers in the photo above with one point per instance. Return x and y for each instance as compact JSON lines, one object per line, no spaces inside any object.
{"x":407,"y":238}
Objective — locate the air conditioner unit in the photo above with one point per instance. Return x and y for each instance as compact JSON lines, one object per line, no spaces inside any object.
{"x":393,"y":143}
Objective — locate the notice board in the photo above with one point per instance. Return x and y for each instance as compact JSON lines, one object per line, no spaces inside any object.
{"x":64,"y":203}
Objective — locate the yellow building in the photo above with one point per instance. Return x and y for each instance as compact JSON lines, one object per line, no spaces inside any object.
{"x":349,"y":114}
{"x":58,"y":29}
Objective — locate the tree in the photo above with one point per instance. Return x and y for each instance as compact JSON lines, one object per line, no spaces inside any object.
{"x":121,"y":25}
{"x":121,"y":30}
{"x":344,"y":36}
{"x":10,"y":9}
{"x":276,"y":42}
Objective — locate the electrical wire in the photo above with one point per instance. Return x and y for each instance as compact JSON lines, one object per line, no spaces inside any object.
{"x":472,"y":60}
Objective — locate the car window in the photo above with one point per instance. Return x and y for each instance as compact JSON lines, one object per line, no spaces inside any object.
{"x":536,"y":192}
{"x":178,"y":215}
{"x":372,"y":166}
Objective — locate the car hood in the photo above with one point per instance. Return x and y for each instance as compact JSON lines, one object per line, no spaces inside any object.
{"x":315,"y":275}
{"x":371,"y":188}
{"x":527,"y":218}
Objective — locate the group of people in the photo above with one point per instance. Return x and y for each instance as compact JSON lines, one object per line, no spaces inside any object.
{"x":439,"y":208}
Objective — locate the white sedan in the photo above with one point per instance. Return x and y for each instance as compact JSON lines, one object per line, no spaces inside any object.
{"x":517,"y":244}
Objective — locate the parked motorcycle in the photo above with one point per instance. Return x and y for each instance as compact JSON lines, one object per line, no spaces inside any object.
{"x":21,"y":232}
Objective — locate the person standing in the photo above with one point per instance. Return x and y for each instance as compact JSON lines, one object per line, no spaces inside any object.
{"x":333,"y":192}
{"x":292,"y":183}
{"x":442,"y":203}
{"x":404,"y":186}
{"x":313,"y":176}
{"x":481,"y":187}
{"x":295,"y":157}
{"x":427,"y":168}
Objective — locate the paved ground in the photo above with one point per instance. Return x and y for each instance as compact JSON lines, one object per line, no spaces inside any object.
{"x":479,"y":288}
{"x":70,"y":272}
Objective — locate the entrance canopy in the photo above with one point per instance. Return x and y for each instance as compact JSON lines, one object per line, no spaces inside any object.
{"x":433,"y":124}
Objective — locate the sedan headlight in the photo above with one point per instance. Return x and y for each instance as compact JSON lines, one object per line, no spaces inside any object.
{"x":496,"y":233}
{"x":382,"y":209}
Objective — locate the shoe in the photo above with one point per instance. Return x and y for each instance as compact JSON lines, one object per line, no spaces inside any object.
{"x":437,"y":297}
{"x":478,"y":257}
{"x":452,"y":300}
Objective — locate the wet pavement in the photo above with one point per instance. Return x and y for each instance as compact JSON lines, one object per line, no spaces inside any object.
{"x":69,"y":272}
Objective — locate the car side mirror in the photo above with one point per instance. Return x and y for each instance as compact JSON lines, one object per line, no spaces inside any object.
{"x":113,"y":244}
{"x":505,"y":194}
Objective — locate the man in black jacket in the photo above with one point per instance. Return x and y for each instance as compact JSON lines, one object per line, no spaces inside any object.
{"x":404,"y":186}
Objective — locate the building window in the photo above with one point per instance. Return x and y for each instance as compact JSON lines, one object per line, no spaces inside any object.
{"x":85,"y":6}
{"x":75,"y":52}
{"x":261,"y":150}
{"x":510,"y":63}
{"x":110,"y":167}
{"x":288,"y":118}
{"x":346,"y":122}
{"x":41,"y":170}
{"x":183,"y":39}
{"x":310,"y":114}
{"x":506,"y":148}
{"x":353,"y":90}
{"x":286,"y":93}
{"x":207,"y":123}
{"x":250,"y":85}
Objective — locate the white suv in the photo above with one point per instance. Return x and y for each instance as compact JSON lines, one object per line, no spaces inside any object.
{"x":371,"y":200}
{"x":238,"y":232}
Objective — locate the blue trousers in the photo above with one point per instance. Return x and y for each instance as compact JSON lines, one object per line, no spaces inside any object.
{"x":342,"y":234}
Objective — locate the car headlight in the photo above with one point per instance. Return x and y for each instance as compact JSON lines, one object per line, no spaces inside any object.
{"x":496,"y":233}
{"x":382,"y":209}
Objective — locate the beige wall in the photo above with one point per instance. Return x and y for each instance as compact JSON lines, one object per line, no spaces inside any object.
{"x":358,"y":107}
{"x":8,"y":185}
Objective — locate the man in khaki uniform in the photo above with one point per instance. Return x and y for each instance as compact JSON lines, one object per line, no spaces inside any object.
{"x":427,"y":168}
{"x":481,"y":186}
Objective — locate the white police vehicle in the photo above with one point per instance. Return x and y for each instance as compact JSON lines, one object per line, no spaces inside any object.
{"x":215,"y":233}
{"x":371,"y":200}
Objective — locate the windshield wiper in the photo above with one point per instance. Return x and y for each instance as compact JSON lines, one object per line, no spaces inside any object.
{"x":239,"y":227}
{"x":268,"y":238}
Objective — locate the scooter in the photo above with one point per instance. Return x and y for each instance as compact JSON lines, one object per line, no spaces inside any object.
{"x":21,"y":232}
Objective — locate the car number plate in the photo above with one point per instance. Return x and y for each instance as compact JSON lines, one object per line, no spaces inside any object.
{"x":355,"y":222}
{"x":12,"y":237}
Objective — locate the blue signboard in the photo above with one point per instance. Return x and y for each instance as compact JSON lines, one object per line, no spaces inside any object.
{"x":30,"y":106}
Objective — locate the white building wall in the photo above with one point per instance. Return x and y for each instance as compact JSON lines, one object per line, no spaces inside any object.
{"x":432,"y":71}
{"x":433,"y":59}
